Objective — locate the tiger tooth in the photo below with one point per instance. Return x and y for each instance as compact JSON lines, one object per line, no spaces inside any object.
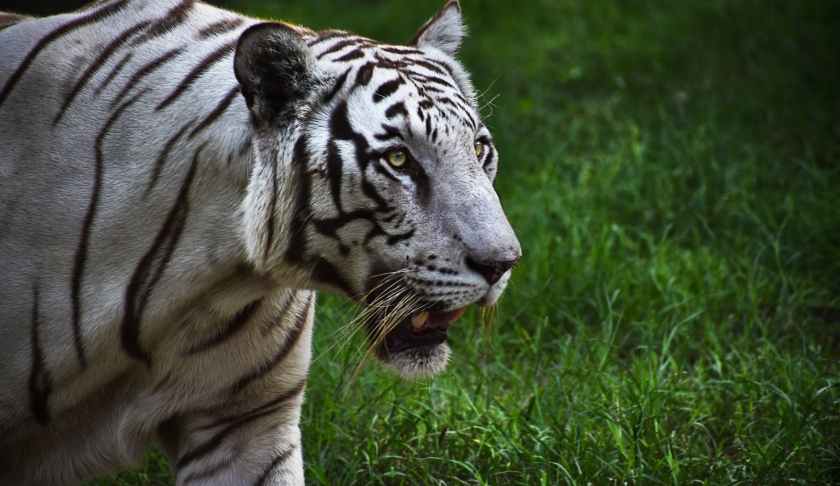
{"x":419,"y":320}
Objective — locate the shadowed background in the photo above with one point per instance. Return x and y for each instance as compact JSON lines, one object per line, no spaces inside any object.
{"x":673,"y":172}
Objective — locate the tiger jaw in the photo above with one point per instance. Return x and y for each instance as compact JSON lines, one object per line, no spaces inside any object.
{"x":417,"y":346}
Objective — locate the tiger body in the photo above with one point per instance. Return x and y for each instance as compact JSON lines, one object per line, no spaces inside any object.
{"x":165,"y":219}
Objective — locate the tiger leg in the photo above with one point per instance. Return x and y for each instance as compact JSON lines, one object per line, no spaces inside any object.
{"x":256,"y":446}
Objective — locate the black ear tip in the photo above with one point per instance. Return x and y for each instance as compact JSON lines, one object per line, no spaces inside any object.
{"x":274,"y":67}
{"x":269,"y":41}
{"x":272,"y":34}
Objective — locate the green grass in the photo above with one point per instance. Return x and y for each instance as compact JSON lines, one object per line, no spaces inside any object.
{"x":673,"y":172}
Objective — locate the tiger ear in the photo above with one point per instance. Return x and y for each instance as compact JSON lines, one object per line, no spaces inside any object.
{"x":274,"y":68}
{"x":444,"y":31}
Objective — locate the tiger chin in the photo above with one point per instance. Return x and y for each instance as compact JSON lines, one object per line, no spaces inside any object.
{"x":176,"y":183}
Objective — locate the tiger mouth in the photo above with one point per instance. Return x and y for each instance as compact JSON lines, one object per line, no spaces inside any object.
{"x":423,"y":329}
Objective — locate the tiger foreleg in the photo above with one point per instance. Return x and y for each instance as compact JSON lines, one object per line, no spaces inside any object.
{"x":256,"y":447}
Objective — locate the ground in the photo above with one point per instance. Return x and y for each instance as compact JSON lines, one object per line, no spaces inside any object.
{"x":673,"y":172}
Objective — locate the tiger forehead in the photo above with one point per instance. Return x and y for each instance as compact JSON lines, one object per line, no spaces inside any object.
{"x":344,"y":52}
{"x":418,"y":92}
{"x":367,"y":54}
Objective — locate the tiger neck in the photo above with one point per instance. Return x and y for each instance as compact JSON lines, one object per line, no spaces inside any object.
{"x":251,"y":174}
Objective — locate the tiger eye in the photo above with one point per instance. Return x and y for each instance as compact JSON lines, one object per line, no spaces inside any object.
{"x":397,"y":158}
{"x":479,"y":150}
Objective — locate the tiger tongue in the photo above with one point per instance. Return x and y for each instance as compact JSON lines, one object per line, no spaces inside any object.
{"x":426,"y":320}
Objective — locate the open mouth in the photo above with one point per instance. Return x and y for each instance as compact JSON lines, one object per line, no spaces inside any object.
{"x":422,"y":329}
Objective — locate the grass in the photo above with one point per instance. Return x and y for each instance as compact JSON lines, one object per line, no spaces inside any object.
{"x":673,"y":172}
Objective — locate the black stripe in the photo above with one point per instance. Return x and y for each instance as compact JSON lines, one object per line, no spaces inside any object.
{"x":394,"y":239}
{"x":444,"y":65}
{"x":197,"y":71}
{"x":116,"y":70}
{"x":87,"y":227}
{"x":335,"y":170}
{"x":426,"y":89}
{"x":280,"y":459}
{"x":364,"y":74}
{"x":390,"y":134}
{"x":354,"y":54}
{"x":147,"y":69}
{"x":296,"y":251}
{"x":145,"y":278}
{"x":216,"y":113}
{"x":269,"y":324}
{"x":370,"y":191}
{"x":373,"y":232}
{"x":387,"y":89}
{"x":327,"y":35}
{"x":211,"y":471}
{"x":326,"y":272}
{"x":491,"y":156}
{"x":65,"y":29}
{"x":233,"y":327}
{"x":383,"y":62}
{"x":291,"y":339}
{"x":339,"y":83}
{"x":173,"y":18}
{"x":234,"y":424}
{"x":460,"y":97}
{"x":219,"y":28}
{"x":109,"y":50}
{"x":340,"y":129}
{"x":430,"y":66}
{"x":163,"y":156}
{"x":341,"y":45}
{"x":271,"y":406}
{"x":269,"y":238}
{"x":40,"y":381}
{"x":463,"y":110}
{"x":402,"y":50}
{"x":431,"y":79}
{"x":396,"y":109}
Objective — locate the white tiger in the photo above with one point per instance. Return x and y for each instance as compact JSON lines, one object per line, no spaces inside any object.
{"x":176,"y":181}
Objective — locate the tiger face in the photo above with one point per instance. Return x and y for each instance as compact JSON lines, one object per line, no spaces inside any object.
{"x":394,"y":170}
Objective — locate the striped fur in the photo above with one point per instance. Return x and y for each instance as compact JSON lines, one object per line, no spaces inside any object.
{"x":176,"y":182}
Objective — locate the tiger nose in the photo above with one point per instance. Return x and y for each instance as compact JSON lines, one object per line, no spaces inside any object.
{"x":493,"y":270}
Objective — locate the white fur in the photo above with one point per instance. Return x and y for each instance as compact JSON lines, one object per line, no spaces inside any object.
{"x":199,"y":248}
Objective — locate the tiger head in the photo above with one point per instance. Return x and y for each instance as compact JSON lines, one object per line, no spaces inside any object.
{"x":375,"y":173}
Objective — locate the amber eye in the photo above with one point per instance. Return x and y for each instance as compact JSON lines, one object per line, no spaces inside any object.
{"x":479,"y":150}
{"x":397,"y":158}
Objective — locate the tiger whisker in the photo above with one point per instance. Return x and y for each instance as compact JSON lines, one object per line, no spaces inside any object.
{"x":489,"y":104}
{"x":381,"y":301}
{"x":405,"y":307}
